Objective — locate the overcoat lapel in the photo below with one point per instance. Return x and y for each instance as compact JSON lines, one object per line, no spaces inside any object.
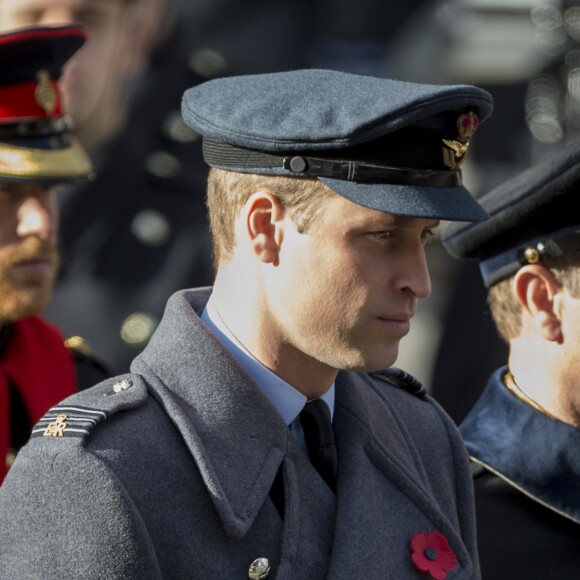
{"x":371,"y":475}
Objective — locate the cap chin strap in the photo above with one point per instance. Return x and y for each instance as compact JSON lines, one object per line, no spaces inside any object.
{"x":225,"y":156}
{"x":35,"y":128}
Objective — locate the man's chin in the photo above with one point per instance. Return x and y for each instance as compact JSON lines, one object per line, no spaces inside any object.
{"x":23,"y":302}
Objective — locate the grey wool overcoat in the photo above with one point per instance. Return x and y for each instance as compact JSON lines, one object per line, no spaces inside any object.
{"x":167,"y":471}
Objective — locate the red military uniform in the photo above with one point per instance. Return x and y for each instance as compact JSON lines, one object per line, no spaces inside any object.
{"x":36,"y":371}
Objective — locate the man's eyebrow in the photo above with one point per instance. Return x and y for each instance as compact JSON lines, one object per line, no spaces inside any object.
{"x":402,"y":220}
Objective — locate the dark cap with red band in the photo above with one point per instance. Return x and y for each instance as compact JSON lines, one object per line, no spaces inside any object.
{"x":36,"y":143}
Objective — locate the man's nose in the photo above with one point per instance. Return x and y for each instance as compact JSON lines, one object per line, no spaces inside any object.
{"x":34,"y":218}
{"x":56,"y":15}
{"x":414,"y":274}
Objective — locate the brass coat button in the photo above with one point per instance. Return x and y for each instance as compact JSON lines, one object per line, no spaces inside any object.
{"x":259,"y":568}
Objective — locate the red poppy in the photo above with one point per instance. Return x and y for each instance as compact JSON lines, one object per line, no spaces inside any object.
{"x":431,"y":553}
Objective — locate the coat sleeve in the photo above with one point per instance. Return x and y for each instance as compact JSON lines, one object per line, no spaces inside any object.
{"x":59,"y":509}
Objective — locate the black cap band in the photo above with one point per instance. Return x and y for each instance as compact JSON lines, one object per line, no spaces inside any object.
{"x":225,"y":156}
{"x":36,"y":128}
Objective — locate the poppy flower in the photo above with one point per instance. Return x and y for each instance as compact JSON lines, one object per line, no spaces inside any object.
{"x":431,"y":553}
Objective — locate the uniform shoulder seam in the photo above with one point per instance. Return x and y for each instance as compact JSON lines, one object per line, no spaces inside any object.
{"x":401,"y":379}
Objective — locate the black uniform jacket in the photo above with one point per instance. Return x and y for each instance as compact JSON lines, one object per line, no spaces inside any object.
{"x":526,"y":470}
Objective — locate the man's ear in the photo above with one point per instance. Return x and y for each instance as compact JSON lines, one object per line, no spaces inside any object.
{"x":537,"y":288}
{"x":264,"y":214}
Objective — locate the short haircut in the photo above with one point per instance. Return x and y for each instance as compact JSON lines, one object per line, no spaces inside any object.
{"x":507,"y":311}
{"x":228,"y":191}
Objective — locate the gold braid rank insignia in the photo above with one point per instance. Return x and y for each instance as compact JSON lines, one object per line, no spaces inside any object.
{"x":57,"y":427}
{"x":68,"y":421}
{"x":454,"y":150}
{"x":45,"y":94}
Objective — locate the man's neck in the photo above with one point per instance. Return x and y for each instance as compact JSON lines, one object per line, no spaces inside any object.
{"x":248,"y":320}
{"x":554,"y":393}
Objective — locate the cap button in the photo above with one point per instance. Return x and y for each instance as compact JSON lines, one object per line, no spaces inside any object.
{"x":259,"y":568}
{"x":297,"y":164}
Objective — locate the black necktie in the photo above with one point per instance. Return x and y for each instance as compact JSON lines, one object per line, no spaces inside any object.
{"x":315,"y":419}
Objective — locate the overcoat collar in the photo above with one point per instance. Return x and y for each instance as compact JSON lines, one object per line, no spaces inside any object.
{"x":534,"y":453}
{"x":214,"y":409}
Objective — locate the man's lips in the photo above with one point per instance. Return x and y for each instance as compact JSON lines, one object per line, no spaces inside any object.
{"x":397,"y":324}
{"x":34,"y":264}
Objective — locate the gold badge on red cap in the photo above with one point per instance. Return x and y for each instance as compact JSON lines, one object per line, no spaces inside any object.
{"x":454,"y":151}
{"x":45,"y":94}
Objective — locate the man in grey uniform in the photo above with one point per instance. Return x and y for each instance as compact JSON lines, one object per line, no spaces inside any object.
{"x":523,"y":434}
{"x":324,"y":189}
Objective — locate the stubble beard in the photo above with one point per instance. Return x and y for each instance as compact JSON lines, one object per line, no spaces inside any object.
{"x":26,"y":293}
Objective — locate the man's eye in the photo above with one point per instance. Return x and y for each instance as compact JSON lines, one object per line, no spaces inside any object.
{"x":382,"y":235}
{"x":428,"y":235}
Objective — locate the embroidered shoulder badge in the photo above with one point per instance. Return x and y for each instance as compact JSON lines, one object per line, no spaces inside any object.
{"x":68,"y":421}
{"x":399,"y":378}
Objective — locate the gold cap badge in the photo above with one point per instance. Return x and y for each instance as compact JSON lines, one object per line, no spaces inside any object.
{"x":454,"y":150}
{"x":45,"y":93}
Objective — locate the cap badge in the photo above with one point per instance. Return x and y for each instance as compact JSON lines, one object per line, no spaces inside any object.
{"x":57,"y":427}
{"x":45,"y":93}
{"x":454,"y":151}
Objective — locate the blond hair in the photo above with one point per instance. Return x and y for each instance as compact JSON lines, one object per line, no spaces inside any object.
{"x":228,"y":191}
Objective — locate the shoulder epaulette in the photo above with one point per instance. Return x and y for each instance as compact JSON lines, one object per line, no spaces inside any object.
{"x":401,"y":379}
{"x":78,"y":415}
{"x":68,"y":421}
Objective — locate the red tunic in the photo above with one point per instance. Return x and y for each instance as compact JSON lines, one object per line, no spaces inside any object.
{"x":39,"y":367}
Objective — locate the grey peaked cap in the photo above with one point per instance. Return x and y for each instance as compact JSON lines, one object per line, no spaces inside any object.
{"x":375,"y":141}
{"x":532,"y":217}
